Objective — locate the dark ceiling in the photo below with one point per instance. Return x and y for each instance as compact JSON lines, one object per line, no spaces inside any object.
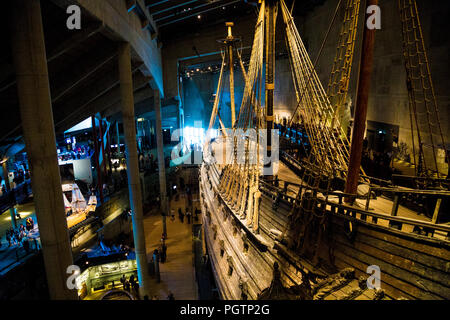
{"x":175,"y":18}
{"x":82,"y":69}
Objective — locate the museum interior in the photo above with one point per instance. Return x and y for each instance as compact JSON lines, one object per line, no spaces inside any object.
{"x":225,"y":150}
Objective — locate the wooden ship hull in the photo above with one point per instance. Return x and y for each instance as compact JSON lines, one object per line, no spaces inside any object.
{"x":412,"y":265}
{"x":319,"y":227}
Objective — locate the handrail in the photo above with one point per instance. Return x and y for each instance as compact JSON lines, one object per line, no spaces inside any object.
{"x":437,"y":183}
{"x":420,"y":178}
{"x":425,"y":224}
{"x":412,"y":191}
{"x":341,"y":207}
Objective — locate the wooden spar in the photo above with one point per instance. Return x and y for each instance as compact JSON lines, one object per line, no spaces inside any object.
{"x":359,"y":122}
{"x":231,"y":63}
{"x":271,"y":14}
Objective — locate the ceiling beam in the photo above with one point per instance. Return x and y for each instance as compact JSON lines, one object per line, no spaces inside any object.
{"x":102,"y":101}
{"x":131,"y":5}
{"x":64,"y":47}
{"x":149,"y":3}
{"x":201,"y":9}
{"x":140,"y":94}
{"x":68,"y":108}
{"x":171,"y":6}
{"x":79,"y":37}
{"x":81,"y":74}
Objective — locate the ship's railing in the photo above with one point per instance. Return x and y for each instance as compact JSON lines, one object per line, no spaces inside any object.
{"x":335,"y":204}
{"x":421,"y":182}
{"x":437,"y":197}
{"x":275,"y":192}
{"x":405,"y":225}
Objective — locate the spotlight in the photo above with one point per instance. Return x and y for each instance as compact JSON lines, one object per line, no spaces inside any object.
{"x":199,"y":17}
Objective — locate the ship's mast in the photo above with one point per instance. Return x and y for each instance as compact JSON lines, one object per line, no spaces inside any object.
{"x":271,"y":17}
{"x":229,"y":42}
{"x":359,"y":122}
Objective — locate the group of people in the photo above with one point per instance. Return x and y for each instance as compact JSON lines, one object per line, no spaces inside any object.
{"x":20,"y":176}
{"x":79,"y":152}
{"x":19,"y":235}
{"x":147,"y":162}
{"x":377,"y":164}
{"x":188,"y":215}
{"x":130,"y":285}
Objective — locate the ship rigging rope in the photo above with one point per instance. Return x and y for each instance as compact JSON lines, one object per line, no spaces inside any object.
{"x":250,"y":116}
{"x":426,"y":127}
{"x":340,"y":75}
{"x":314,"y":106}
{"x":217,"y":97}
{"x":250,"y":106}
{"x":336,"y":91}
{"x":318,"y":55}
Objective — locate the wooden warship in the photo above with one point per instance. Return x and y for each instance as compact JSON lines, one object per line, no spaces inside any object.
{"x":312,"y":231}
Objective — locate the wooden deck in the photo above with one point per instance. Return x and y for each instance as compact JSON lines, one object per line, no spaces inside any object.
{"x":380,"y":205}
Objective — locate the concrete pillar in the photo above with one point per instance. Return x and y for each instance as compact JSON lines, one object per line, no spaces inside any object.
{"x":12,"y":211}
{"x":102,"y":147}
{"x":161,"y":164}
{"x":97,"y":160}
{"x":30,"y":63}
{"x":108,"y":139}
{"x":134,"y":183}
{"x":118,"y":136}
{"x":5,"y":175}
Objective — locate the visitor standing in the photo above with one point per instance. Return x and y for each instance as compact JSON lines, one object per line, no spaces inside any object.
{"x":156,"y":262}
{"x":188,"y":217}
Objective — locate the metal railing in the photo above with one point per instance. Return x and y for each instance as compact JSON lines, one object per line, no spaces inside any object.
{"x":15,"y":196}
